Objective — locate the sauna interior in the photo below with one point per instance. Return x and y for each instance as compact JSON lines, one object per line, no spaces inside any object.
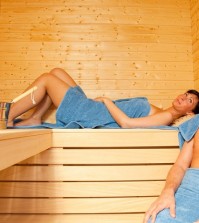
{"x":113,"y":48}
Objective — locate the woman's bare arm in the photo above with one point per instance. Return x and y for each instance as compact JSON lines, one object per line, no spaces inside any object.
{"x":161,"y":118}
{"x":174,"y":178}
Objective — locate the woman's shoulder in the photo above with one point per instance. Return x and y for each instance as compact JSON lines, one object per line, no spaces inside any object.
{"x":155,"y":109}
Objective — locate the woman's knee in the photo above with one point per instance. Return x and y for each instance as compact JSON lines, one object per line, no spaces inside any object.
{"x":57,"y":71}
{"x":45,"y":76}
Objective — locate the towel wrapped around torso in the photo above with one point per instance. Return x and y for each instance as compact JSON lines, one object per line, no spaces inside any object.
{"x":78,"y":111}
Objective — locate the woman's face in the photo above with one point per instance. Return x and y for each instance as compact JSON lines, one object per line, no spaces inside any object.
{"x":185,"y":103}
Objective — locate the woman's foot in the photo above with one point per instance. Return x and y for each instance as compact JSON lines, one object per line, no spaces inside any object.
{"x":9,"y":124}
{"x":29,"y":122}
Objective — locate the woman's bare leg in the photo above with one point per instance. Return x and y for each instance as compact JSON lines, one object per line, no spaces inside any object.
{"x":64,"y":76}
{"x":44,"y":105}
{"x":47,"y":85}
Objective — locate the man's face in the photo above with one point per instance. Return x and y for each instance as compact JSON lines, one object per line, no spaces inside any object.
{"x":185,"y":103}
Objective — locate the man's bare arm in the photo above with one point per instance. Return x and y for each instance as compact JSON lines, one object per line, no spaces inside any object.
{"x":174,"y":178}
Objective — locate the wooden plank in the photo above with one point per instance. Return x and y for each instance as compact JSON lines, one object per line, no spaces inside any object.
{"x":93,"y":46}
{"x":81,"y":205}
{"x":98,"y":29}
{"x":67,"y":18}
{"x":17,"y":146}
{"x":7,"y":134}
{"x":114,"y":138}
{"x":92,"y":9}
{"x":101,"y":65}
{"x":95,"y":55}
{"x":72,"y":218}
{"x":113,"y":84}
{"x":147,"y":3}
{"x":80,"y":189}
{"x":134,"y":38}
{"x":104,"y":156}
{"x":84,"y":173}
{"x":105,"y":74}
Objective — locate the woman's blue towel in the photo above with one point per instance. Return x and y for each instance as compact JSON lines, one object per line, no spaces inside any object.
{"x":78,"y":110}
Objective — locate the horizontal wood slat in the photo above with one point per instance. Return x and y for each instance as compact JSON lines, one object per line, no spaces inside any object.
{"x":105,"y":156}
{"x":81,"y":205}
{"x":72,"y":218}
{"x":102,"y":85}
{"x":101,"y":65}
{"x":95,"y":46}
{"x":114,"y":138}
{"x":84,"y":173}
{"x":80,"y":189}
{"x":95,"y":55}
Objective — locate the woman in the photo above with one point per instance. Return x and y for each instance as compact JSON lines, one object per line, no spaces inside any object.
{"x":75,"y":110}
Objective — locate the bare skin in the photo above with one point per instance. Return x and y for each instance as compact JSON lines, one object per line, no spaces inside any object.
{"x":52,"y":87}
{"x":188,"y":157}
{"x":43,"y":101}
{"x":182,"y":105}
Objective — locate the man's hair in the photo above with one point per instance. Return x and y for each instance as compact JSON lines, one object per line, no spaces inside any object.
{"x":196,"y":109}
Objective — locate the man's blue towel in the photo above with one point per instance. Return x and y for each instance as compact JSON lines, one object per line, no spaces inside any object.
{"x":188,"y":129}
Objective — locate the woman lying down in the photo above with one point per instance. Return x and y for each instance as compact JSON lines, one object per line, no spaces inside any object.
{"x":75,"y":110}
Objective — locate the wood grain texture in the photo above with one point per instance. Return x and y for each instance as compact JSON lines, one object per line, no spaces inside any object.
{"x":115,"y":48}
{"x":195,"y":39}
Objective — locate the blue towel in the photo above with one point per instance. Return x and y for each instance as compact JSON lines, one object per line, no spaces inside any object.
{"x":188,"y":129}
{"x":78,"y":110}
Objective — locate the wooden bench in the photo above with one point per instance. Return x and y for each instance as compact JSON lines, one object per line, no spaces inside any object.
{"x":82,"y":175}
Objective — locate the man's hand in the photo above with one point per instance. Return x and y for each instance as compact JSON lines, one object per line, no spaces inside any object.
{"x":166,"y":200}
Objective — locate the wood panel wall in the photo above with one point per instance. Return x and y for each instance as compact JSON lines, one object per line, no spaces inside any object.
{"x":195,"y":36}
{"x":116,"y":48}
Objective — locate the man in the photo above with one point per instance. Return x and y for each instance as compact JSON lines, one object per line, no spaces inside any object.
{"x":179,"y":200}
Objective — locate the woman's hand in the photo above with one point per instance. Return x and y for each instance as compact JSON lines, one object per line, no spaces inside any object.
{"x":101,"y":99}
{"x":165,"y":200}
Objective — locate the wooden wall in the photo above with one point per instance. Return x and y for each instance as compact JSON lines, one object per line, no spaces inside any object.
{"x":117,"y":48}
{"x":195,"y":35}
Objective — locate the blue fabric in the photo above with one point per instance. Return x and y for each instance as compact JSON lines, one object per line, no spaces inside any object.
{"x":187,"y":201}
{"x":188,"y":129}
{"x":78,"y":110}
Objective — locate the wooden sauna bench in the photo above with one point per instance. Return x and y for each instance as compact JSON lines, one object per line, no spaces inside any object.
{"x":82,"y":175}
